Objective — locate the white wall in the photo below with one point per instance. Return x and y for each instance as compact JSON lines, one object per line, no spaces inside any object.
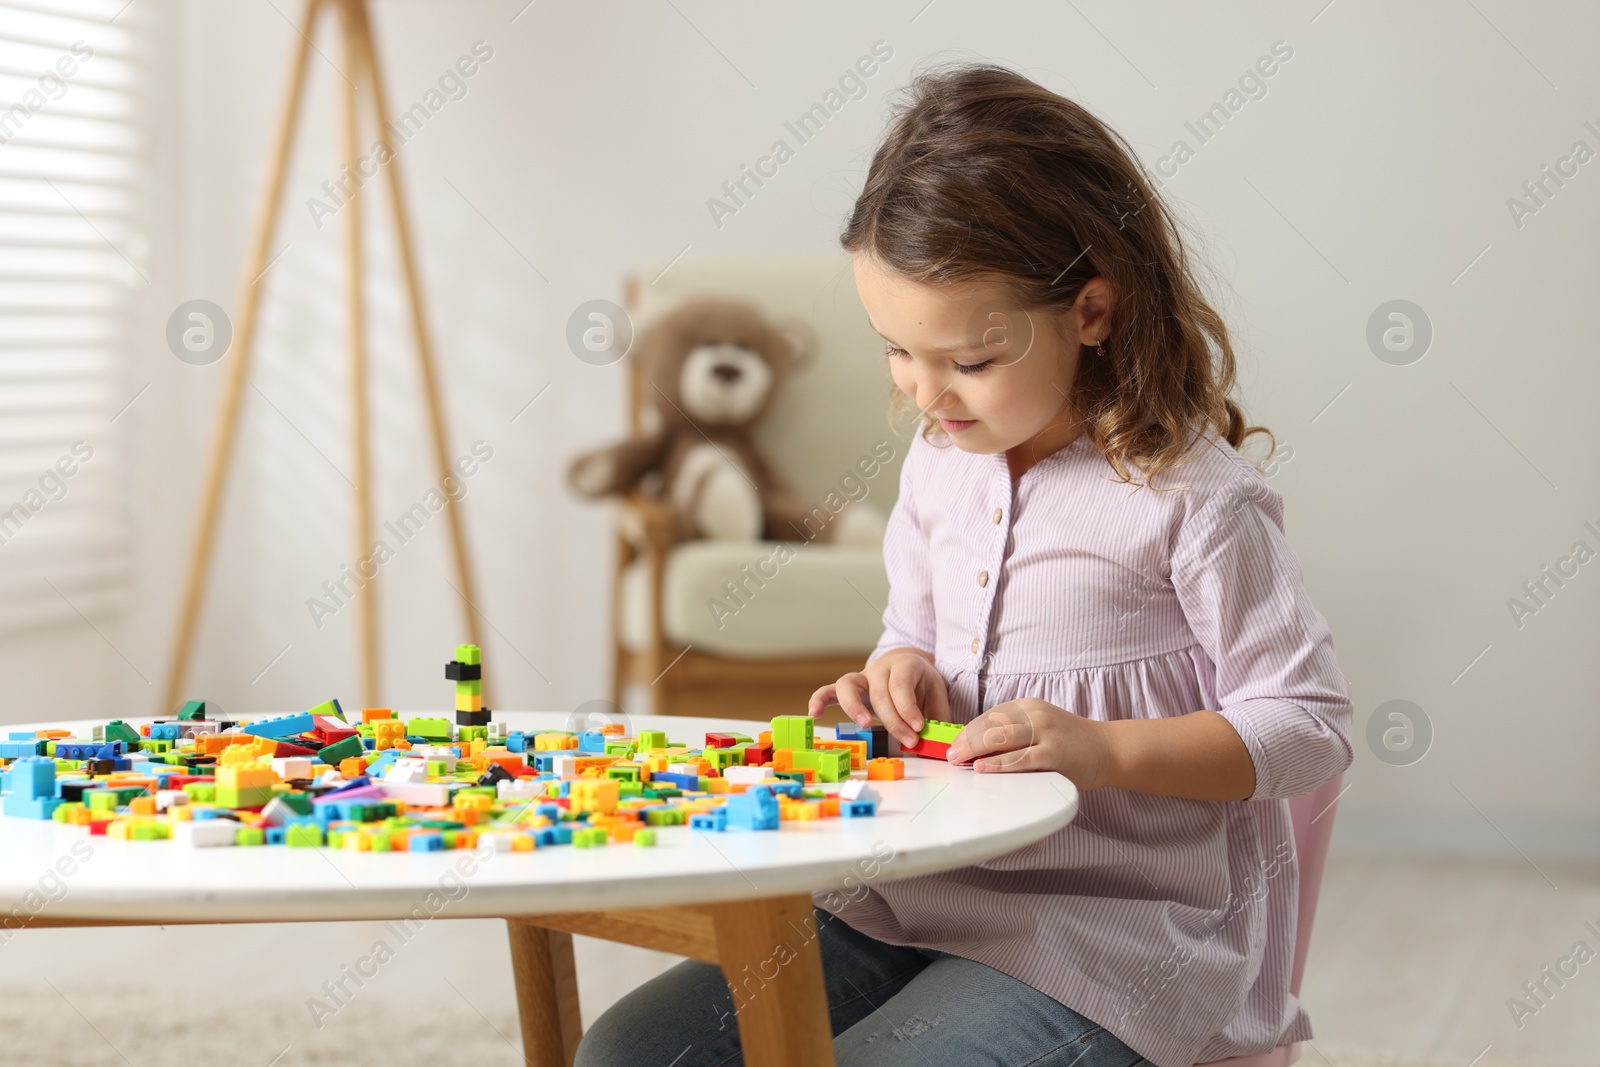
{"x":1377,"y":167}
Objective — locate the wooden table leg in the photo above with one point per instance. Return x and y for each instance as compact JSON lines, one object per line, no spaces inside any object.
{"x":547,"y":994}
{"x":769,"y":954}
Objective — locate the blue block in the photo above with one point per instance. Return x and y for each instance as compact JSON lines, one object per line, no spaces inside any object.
{"x":680,"y":781}
{"x":272,"y":835}
{"x":754,"y":809}
{"x":554,"y":835}
{"x":550,"y":811}
{"x":592,"y":741}
{"x":544,"y":762}
{"x":21,"y":749}
{"x":388,"y":756}
{"x":716,"y":819}
{"x":426,"y":842}
{"x":33,"y":777}
{"x":282,"y":726}
{"x":516,"y":741}
{"x":851,"y":809}
{"x":30,"y":807}
{"x":788,"y":787}
{"x":846,"y":731}
{"x":23,"y":735}
{"x":165,"y":731}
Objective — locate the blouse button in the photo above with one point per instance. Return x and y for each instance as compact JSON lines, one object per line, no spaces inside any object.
{"x":997,"y":515}
{"x":983,"y":578}
{"x":974,"y":644}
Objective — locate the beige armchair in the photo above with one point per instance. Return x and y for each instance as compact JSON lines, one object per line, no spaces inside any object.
{"x":792,"y":617}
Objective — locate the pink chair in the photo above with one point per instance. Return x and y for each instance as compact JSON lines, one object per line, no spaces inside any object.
{"x":1311,"y":846}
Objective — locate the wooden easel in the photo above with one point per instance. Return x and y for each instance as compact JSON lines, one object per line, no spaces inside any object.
{"x":361,"y":70}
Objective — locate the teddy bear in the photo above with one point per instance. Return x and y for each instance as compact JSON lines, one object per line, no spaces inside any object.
{"x":713,"y":367}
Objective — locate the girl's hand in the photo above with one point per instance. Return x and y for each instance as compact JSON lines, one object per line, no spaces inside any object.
{"x":902,"y":686}
{"x":1034,"y":735}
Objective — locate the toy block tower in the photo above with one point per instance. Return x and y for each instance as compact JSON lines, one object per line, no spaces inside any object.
{"x":466,"y":670}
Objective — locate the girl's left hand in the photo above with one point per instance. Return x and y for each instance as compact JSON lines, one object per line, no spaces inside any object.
{"x":1034,"y":735}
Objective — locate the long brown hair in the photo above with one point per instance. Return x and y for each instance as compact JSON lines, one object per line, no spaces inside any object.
{"x":987,"y":176}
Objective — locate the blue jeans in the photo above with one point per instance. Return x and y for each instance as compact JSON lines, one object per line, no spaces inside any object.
{"x":887,"y":1004}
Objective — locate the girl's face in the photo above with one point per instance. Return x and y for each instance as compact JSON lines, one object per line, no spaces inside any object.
{"x":998,"y":378}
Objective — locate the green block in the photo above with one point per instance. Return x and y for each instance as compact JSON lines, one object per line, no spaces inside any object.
{"x":192,"y":709}
{"x":329,"y":707}
{"x":630,"y":788}
{"x":649,"y":739}
{"x":434,"y":768}
{"x":620,"y":748}
{"x":432,"y":729}
{"x":664,"y":817}
{"x":148,"y":832}
{"x":201,"y":792}
{"x":662,"y":792}
{"x":793,"y":731}
{"x":472,"y":687}
{"x":299,"y":803}
{"x":381,"y":842}
{"x":705,"y":783}
{"x":117,"y":730}
{"x":468,"y":734}
{"x":364,"y":729}
{"x":252,"y":797}
{"x":155,"y":746}
{"x":62,"y":810}
{"x":469,"y":654}
{"x":589,"y":838}
{"x":623,"y":774}
{"x":793,"y":776}
{"x":830,"y":764}
{"x":341,"y":750}
{"x":723,"y":758}
{"x":249,"y":835}
{"x":302,"y":835}
{"x":644,"y":838}
{"x":100,"y":799}
{"x":944,"y":732}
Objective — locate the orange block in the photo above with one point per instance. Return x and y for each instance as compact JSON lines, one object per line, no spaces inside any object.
{"x":352,"y":766}
{"x":886,"y":769}
{"x":142,"y":805}
{"x":372,"y":714}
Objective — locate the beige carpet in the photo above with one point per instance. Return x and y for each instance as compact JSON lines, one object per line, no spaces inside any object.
{"x":64,"y":1026}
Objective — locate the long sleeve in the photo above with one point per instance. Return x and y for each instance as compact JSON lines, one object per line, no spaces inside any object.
{"x":1277,"y":679}
{"x":908,"y":621}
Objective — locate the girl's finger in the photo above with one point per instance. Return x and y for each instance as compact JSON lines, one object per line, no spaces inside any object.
{"x":888,"y":714}
{"x":848,"y":691}
{"x":903,"y":691}
{"x":819,"y":700}
{"x":1020,"y":759}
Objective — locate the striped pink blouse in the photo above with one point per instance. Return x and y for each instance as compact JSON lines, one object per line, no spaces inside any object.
{"x":1169,"y":922}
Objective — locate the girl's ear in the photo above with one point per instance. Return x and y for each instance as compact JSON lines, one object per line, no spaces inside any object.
{"x":1093,"y":306}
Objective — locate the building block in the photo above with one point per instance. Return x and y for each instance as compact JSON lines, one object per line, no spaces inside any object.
{"x":342,"y":750}
{"x":330,"y":708}
{"x":644,"y":838}
{"x":117,"y":730}
{"x":793,"y":731}
{"x":754,"y":809}
{"x":885,"y":769}
{"x":649,"y":739}
{"x":430,"y":728}
{"x":933,"y":740}
{"x":830,"y":764}
{"x":281,"y":726}
{"x":205,"y":833}
{"x":369,"y":715}
{"x":855,"y":746}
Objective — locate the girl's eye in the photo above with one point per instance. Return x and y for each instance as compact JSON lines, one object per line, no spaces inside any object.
{"x":891,"y":350}
{"x":972,"y":368}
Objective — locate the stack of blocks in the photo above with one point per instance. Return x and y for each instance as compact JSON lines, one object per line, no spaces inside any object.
{"x":466,"y":670}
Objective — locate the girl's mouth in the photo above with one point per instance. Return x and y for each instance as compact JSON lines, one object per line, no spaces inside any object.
{"x":956,"y":425}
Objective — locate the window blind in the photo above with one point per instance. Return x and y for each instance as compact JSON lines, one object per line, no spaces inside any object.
{"x":71,"y":262}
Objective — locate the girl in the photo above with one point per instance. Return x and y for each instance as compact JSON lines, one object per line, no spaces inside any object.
{"x":1085,"y":573}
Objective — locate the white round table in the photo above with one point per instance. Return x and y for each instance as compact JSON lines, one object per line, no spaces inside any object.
{"x":726,"y":897}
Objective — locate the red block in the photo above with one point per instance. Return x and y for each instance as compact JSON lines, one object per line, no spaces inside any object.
{"x":927,"y":749}
{"x":720,"y":741}
{"x":756,"y":755}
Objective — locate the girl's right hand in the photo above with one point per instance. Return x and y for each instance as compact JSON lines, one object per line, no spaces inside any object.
{"x":902,"y":686}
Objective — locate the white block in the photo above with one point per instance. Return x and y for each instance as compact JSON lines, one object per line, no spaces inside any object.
{"x":519,"y":788}
{"x":204,"y":833}
{"x":407,"y":770}
{"x":292,"y":767}
{"x":166,"y":798}
{"x":745,"y":775}
{"x":419,"y":793}
{"x":565,"y":764}
{"x":858,"y":789}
